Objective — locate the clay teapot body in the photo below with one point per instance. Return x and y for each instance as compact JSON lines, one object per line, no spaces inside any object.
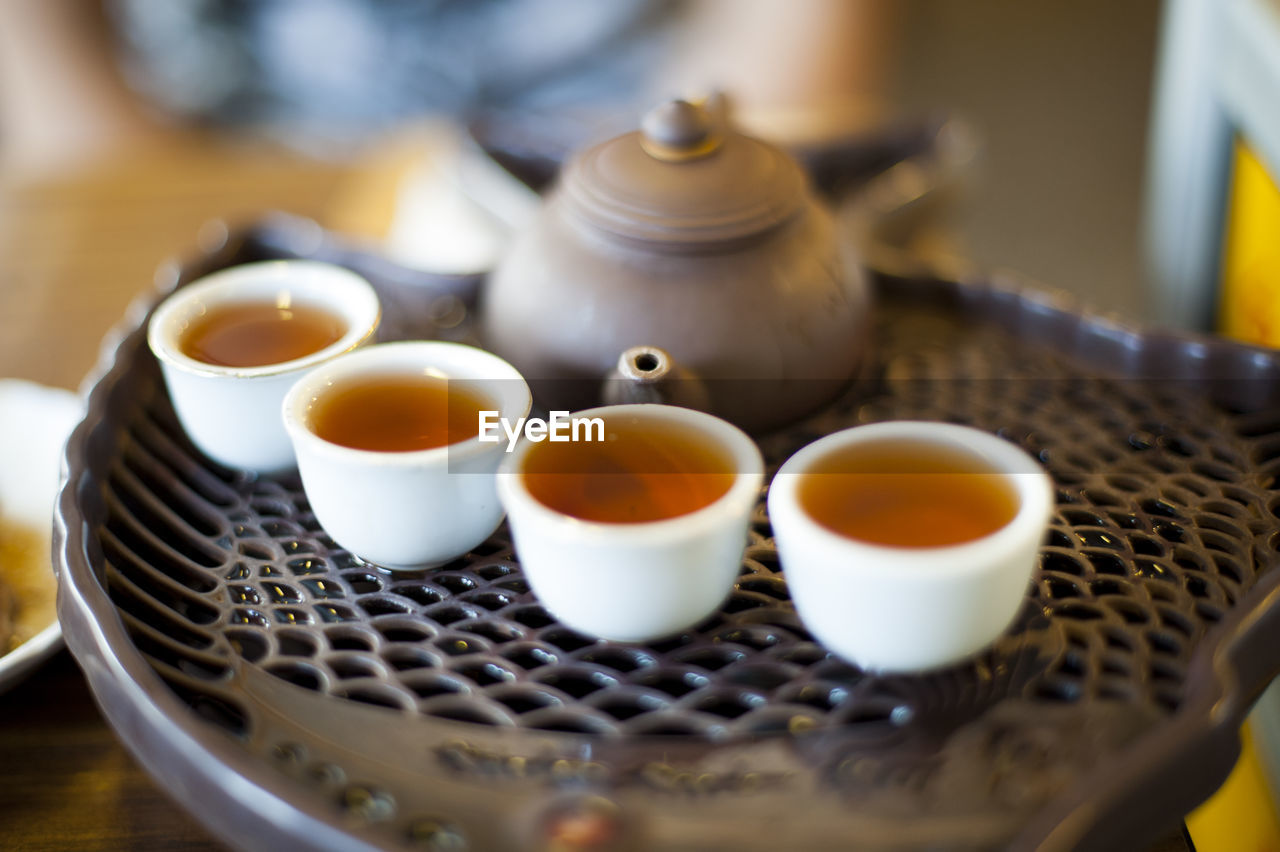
{"x":690,"y":239}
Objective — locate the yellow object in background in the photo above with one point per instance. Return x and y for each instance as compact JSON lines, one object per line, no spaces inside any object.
{"x":1249,"y":308}
{"x":1239,"y":817}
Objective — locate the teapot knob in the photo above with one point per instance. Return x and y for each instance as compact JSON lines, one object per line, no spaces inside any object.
{"x":679,"y":130}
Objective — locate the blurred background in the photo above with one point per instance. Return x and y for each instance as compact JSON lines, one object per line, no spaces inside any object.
{"x":124,"y":124}
{"x":1060,"y":96}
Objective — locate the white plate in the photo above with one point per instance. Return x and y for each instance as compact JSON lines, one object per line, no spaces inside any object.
{"x":34,"y":424}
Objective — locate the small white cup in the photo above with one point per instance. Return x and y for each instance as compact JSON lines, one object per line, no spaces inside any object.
{"x":232,"y":414}
{"x":416,"y":508}
{"x":634,"y":582}
{"x":909,"y":608}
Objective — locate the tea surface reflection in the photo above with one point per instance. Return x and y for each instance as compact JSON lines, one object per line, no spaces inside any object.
{"x":645,"y":469}
{"x":257,"y":333}
{"x":905,"y":494}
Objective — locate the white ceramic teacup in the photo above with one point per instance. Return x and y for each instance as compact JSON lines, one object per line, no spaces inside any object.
{"x":414,"y":508}
{"x":232,"y":414}
{"x":906,"y":608}
{"x":636,"y":581}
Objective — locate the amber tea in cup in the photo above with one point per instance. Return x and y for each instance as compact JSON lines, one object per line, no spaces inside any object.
{"x":389,"y":449}
{"x":908,"y":546}
{"x":257,"y":333}
{"x":232,"y":344}
{"x":644,"y":470}
{"x":907,"y":494}
{"x":398,"y":412}
{"x":637,"y":533}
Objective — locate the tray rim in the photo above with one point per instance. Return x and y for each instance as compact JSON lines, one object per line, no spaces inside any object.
{"x":152,"y":721}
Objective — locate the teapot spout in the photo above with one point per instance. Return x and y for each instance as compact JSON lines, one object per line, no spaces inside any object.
{"x":647,"y":374}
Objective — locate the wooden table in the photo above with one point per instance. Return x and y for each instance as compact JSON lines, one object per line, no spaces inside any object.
{"x":74,"y":251}
{"x":67,"y":783}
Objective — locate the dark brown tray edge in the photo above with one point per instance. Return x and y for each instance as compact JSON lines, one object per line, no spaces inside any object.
{"x":154,"y":725}
{"x":150,"y":720}
{"x":1204,"y":734}
{"x":1206,"y":731}
{"x":1216,"y":706}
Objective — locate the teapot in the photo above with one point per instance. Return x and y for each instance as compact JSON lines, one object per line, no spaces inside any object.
{"x":698,"y":255}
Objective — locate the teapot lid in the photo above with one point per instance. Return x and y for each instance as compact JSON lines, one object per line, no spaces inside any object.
{"x":684,"y":177}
